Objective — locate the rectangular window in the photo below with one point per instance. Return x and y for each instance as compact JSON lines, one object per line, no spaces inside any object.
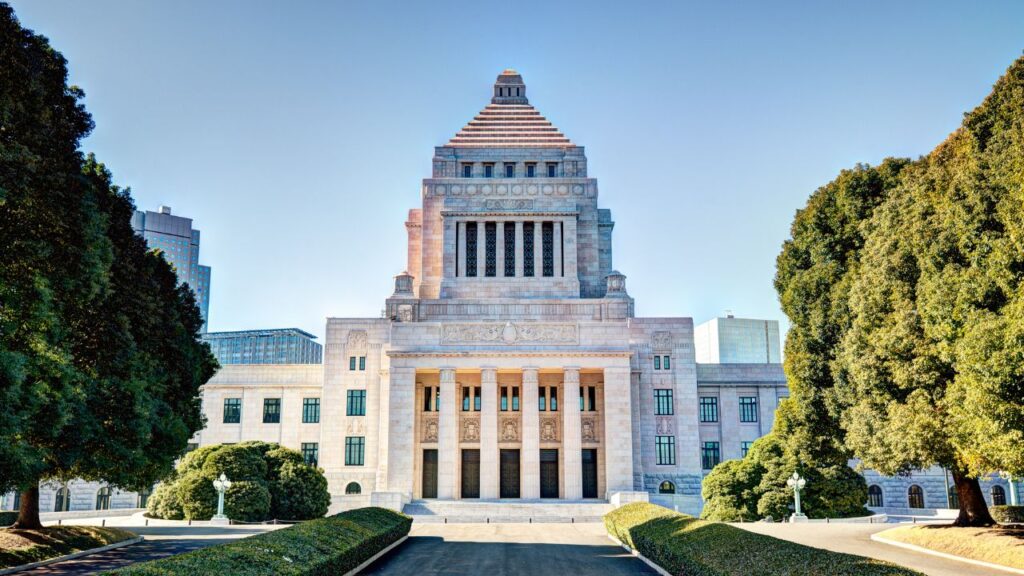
{"x":551,"y":170}
{"x":311,"y":453}
{"x":531,"y":170}
{"x":547,"y":236}
{"x":665,"y":364}
{"x":583,"y":395}
{"x":710,"y":455}
{"x":510,"y":170}
{"x":657,"y":362}
{"x":708,"y":409}
{"x":470,"y":248}
{"x":362,"y":362}
{"x":510,"y":249}
{"x":592,"y":398}
{"x":428,"y":396}
{"x":504,"y":399}
{"x":745,"y":448}
{"x":542,"y":399}
{"x":467,"y":170}
{"x":465,"y":398}
{"x":310,"y":410}
{"x":663,"y":402}
{"x":232,"y":410}
{"x":491,"y":251}
{"x":748,"y":409}
{"x":271,"y":410}
{"x":515,"y":398}
{"x":351,"y":362}
{"x":554,"y":398}
{"x":356,"y":405}
{"x":665,"y":447}
{"x":354,"y":448}
{"x":476,"y":399}
{"x":488,"y":170}
{"x":527,"y":248}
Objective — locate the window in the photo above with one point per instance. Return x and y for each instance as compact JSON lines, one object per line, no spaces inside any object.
{"x":745,"y":448}
{"x":271,"y":410}
{"x":553,"y":398}
{"x":310,"y":410}
{"x":710,"y":455}
{"x":748,"y":409}
{"x":542,"y":399}
{"x":510,"y":249}
{"x":62,"y":501}
{"x":470,"y":248}
{"x":491,"y":249}
{"x":506,"y":392}
{"x":103,"y":498}
{"x":592,"y":398}
{"x":515,"y":398}
{"x":547,"y":238}
{"x":531,"y":170}
{"x":353,"y":488}
{"x":875,"y":499}
{"x":662,"y":362}
{"x":356,"y":403}
{"x":467,"y":170}
{"x":362,"y":362}
{"x":667,"y":487}
{"x":232,"y":410}
{"x":466,"y":398}
{"x":431,"y":399}
{"x":915,"y":497}
{"x":351,"y":362}
{"x":551,"y":170}
{"x":998,"y":496}
{"x":504,"y":399}
{"x":311,"y":453}
{"x":354,"y":446}
{"x":488,"y":170}
{"x":665,"y":450}
{"x":527,"y":248}
{"x":476,"y":399}
{"x":954,"y":498}
{"x":657,"y":362}
{"x":510,"y":170}
{"x":708,"y":409}
{"x":663,"y":401}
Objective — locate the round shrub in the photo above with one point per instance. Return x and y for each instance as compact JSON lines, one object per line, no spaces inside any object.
{"x":248,"y":501}
{"x":237,"y":462}
{"x":165,"y":502}
{"x":299,"y":493}
{"x":198,"y":496}
{"x":194,"y":460}
{"x":1007,"y":514}
{"x":277,"y":458}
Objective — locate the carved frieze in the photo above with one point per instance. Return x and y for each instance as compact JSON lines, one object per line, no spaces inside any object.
{"x":549,"y":429}
{"x":663,"y":424}
{"x":588,"y":429}
{"x":509,"y":430}
{"x":470,"y":430}
{"x":356,"y":340}
{"x":661,"y":341}
{"x":508,"y":204}
{"x":355,"y":427}
{"x":509,"y":333}
{"x":430,"y":429}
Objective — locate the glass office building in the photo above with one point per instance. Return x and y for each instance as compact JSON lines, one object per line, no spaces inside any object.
{"x":275,"y":346}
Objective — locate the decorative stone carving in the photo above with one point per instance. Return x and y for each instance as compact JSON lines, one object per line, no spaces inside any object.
{"x":430,"y":428}
{"x":664,"y":425}
{"x":616,"y":284}
{"x":470,"y":430}
{"x":549,"y":429}
{"x":509,"y":333}
{"x":508,"y":204}
{"x":509,"y":430}
{"x":662,"y":341}
{"x":405,"y":313}
{"x":355,"y":427}
{"x":356,"y":340}
{"x":588,"y":429}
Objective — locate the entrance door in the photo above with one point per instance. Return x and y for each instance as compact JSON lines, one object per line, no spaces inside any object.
{"x":549,"y":473}
{"x":470,"y":473}
{"x":429,"y":473}
{"x":510,"y":473}
{"x":590,"y":473}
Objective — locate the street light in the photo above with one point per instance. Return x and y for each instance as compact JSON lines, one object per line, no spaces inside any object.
{"x":1013,"y":486}
{"x":222,"y":485}
{"x":797,"y":484}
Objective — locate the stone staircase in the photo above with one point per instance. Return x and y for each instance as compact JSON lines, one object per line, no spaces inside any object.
{"x":507,"y":511}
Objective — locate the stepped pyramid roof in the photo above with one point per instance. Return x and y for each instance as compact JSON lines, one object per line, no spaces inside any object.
{"x":509,"y":121}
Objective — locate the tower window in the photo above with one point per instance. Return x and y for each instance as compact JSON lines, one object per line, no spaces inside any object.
{"x":470,"y":248}
{"x":531,"y":170}
{"x":551,"y":170}
{"x":528,"y":248}
{"x":548,"y":245}
{"x":467,"y":170}
{"x":488,"y":170}
{"x":510,"y":170}
{"x":510,"y":249}
{"x":490,"y":238}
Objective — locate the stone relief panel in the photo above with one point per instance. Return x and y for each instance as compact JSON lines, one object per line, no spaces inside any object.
{"x":429,"y":429}
{"x":356,"y":340}
{"x":355,"y":427}
{"x":509,"y":333}
{"x":663,"y":424}
{"x":509,"y":204}
{"x":509,"y":430}
{"x":549,"y":429}
{"x":470,"y":431}
{"x":588,"y":429}
{"x":662,"y":341}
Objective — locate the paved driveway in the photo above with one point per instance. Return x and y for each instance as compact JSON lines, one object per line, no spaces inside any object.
{"x":508,"y":549}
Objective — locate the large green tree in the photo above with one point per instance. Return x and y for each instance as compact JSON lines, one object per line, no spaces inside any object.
{"x":100,"y":361}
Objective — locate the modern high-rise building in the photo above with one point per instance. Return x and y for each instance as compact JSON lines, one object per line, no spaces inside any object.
{"x":274,"y":346}
{"x":179,"y":242}
{"x":733,"y":340}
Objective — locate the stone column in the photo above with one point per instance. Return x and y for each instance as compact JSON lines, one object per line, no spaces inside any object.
{"x":618,"y":446}
{"x":519,"y":249}
{"x":481,"y":249}
{"x":572,"y":458}
{"x":401,"y":440}
{"x":499,"y":249}
{"x":538,"y":249}
{"x":557,"y":247}
{"x":462,"y":250}
{"x":489,"y":433}
{"x":531,"y":435}
{"x":569,"y":247}
{"x":447,"y":435}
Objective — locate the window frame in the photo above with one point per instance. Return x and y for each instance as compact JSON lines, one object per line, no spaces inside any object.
{"x":710,"y":453}
{"x":310,"y":448}
{"x":748,"y":409}
{"x":355,"y":450}
{"x":355,"y":402}
{"x":664,"y":403}
{"x":236,"y":403}
{"x":311,"y":410}
{"x":665,"y":450}
{"x":272,"y":410}
{"x":712,"y":409}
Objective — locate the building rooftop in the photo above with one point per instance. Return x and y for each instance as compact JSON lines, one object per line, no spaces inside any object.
{"x":262,"y":332}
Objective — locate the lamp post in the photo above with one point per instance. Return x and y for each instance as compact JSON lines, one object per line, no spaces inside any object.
{"x":797,"y":484}
{"x":1013,"y":487}
{"x":221,"y":485}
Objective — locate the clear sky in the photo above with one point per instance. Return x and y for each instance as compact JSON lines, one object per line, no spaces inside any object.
{"x":295,"y":134}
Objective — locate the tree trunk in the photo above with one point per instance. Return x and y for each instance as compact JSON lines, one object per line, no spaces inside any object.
{"x":973,"y":509}
{"x":28,"y":513}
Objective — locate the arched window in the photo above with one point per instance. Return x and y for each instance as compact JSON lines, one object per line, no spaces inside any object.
{"x":915,"y":496}
{"x":103,"y":498}
{"x":353,"y":488}
{"x":667,"y":488}
{"x":998,"y":496}
{"x":62,"y":502}
{"x":144,"y":498}
{"x":875,"y":499}
{"x":954,"y":497}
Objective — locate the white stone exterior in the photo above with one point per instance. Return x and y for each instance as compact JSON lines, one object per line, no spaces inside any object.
{"x":733,"y":340}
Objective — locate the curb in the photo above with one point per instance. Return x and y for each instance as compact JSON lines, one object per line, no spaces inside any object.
{"x":79,"y":554}
{"x":923,"y":550}
{"x":637,"y":554}
{"x":375,"y":557}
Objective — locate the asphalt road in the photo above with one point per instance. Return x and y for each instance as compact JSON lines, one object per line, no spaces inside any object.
{"x":508,"y":549}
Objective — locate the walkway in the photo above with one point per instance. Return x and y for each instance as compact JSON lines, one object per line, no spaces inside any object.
{"x":855,"y":539}
{"x":508,"y":549}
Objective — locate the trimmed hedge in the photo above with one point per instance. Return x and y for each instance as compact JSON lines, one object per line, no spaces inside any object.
{"x":8,"y":518}
{"x":682,"y":544}
{"x":332,"y":545}
{"x":1007,"y":514}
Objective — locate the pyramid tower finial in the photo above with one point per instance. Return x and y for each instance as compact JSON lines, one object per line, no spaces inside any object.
{"x":509,"y":88}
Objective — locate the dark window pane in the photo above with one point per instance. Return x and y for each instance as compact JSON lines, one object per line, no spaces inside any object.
{"x":465,"y":398}
{"x":232,"y":410}
{"x":657,"y":362}
{"x":547,"y":232}
{"x":748,"y":409}
{"x":467,"y":170}
{"x":490,"y":240}
{"x":356,"y":405}
{"x":504,"y":399}
{"x":528,"y":248}
{"x":351,"y":362}
{"x":476,"y":399}
{"x":310,"y":410}
{"x":354,"y":446}
{"x":551,"y":170}
{"x":663,"y":401}
{"x":510,"y":249}
{"x":592,"y":397}
{"x":471,"y":248}
{"x":515,"y":398}
{"x":362,"y":362}
{"x":709,"y":409}
{"x":510,"y":170}
{"x":489,"y":170}
{"x":554,"y":399}
{"x":271,"y":410}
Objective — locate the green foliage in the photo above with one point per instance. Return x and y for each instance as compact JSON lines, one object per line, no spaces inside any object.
{"x":248,"y":501}
{"x":165,"y":502}
{"x":333,"y":545}
{"x":1008,"y":514}
{"x":682,"y":544}
{"x":278,"y":457}
{"x":7,"y":518}
{"x":54,"y":541}
{"x":237,"y":462}
{"x":729,"y":491}
{"x":198,"y":496}
{"x":299,"y":492}
{"x":196,"y":459}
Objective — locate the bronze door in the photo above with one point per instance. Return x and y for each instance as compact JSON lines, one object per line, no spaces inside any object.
{"x":509,"y":474}
{"x":430,"y":473}
{"x":549,"y":473}
{"x":590,"y":473}
{"x":470,"y":473}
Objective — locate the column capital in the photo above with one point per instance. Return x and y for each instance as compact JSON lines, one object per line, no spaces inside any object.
{"x":571,"y":374}
{"x":488,"y":374}
{"x":448,"y":375}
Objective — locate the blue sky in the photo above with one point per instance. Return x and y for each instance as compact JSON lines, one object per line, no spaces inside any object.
{"x":295,"y":134}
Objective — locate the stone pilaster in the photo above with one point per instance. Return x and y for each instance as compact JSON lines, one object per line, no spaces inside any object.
{"x":489,"y":433}
{"x":462,"y":250}
{"x":538,"y":249}
{"x":569,"y":248}
{"x":557,"y":247}
{"x":531,"y":435}
{"x":481,"y":249}
{"x":571,"y":443}
{"x":401,"y":440}
{"x":618,"y":445}
{"x":499,"y":249}
{"x":447,"y":435}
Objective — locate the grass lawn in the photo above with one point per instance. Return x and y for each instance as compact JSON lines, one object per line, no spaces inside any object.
{"x":24,"y":546}
{"x":1001,"y":545}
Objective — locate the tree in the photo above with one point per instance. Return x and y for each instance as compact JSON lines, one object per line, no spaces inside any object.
{"x":99,"y":352}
